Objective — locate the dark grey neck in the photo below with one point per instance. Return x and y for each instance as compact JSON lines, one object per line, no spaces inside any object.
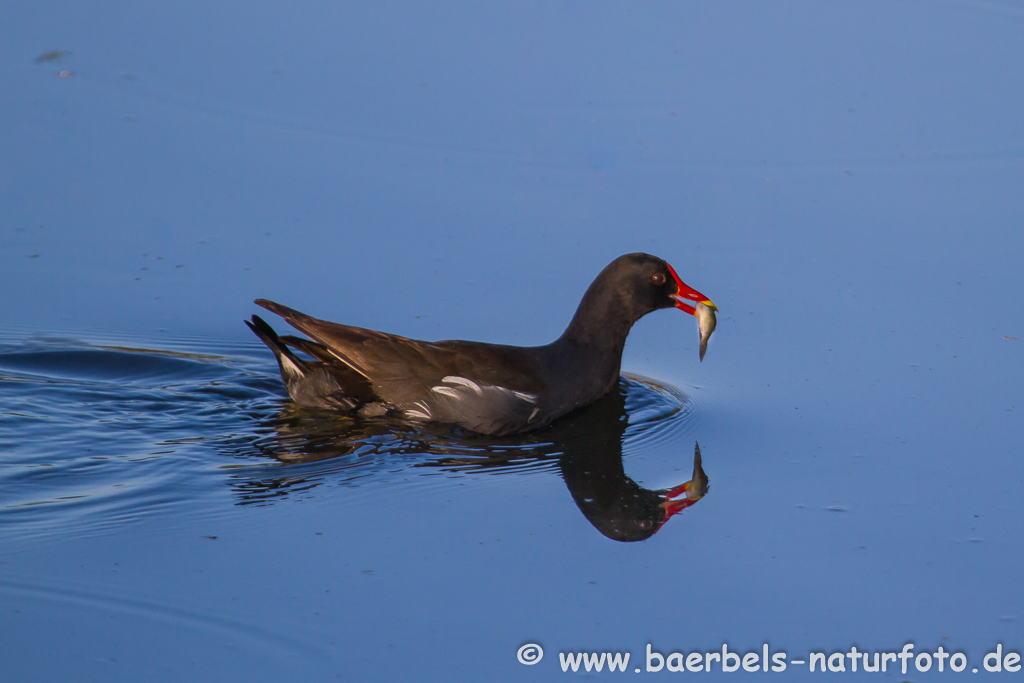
{"x":602,"y":321}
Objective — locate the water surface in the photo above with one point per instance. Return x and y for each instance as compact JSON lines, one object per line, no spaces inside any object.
{"x":843,"y":180}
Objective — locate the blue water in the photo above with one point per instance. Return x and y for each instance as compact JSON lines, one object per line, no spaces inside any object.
{"x":843,"y":180}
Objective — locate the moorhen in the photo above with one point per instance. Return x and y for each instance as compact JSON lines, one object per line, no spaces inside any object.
{"x":485,"y":388}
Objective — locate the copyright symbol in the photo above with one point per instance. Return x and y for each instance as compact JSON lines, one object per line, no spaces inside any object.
{"x":529,"y":654}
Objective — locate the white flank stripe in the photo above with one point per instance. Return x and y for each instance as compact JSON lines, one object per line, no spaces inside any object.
{"x":452,"y":379}
{"x":447,"y":391}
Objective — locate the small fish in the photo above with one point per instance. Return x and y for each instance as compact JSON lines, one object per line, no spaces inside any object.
{"x":699,"y":481}
{"x":706,"y":322}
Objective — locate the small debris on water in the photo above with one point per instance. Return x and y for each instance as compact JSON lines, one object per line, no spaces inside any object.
{"x":52,"y":56}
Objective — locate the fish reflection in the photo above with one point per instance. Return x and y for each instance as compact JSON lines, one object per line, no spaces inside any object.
{"x":586,"y":448}
{"x":620,"y":508}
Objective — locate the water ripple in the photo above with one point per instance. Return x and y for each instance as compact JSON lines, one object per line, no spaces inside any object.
{"x":95,"y":436}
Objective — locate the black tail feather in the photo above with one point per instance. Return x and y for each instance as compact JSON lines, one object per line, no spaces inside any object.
{"x":322,"y":383}
{"x":268,"y":336}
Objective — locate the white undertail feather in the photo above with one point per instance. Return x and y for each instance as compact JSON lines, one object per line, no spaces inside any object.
{"x":289,"y":366}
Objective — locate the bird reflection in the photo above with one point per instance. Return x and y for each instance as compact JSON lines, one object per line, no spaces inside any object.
{"x":586,"y":448}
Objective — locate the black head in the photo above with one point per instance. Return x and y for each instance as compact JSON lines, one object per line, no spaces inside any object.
{"x":627,"y":289}
{"x":632,"y":286}
{"x":652,"y":284}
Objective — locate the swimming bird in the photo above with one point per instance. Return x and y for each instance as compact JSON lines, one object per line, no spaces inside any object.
{"x":481,"y":387}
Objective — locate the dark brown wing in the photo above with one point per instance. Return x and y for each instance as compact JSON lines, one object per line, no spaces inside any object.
{"x":379,"y":357}
{"x":479,"y":386}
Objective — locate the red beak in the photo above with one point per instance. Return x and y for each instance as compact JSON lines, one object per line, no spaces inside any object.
{"x":685,"y":293}
{"x":674,"y":507}
{"x":692,"y":491}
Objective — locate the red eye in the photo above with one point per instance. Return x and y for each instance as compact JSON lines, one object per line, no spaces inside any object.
{"x":658,"y":279}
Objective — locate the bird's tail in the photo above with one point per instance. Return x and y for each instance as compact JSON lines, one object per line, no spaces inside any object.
{"x":292,"y":367}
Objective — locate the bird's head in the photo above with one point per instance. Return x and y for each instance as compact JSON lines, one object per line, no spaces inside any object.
{"x":654,"y":284}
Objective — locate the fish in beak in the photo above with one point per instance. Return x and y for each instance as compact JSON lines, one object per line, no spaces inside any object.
{"x":702,"y":308}
{"x":706,"y":322}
